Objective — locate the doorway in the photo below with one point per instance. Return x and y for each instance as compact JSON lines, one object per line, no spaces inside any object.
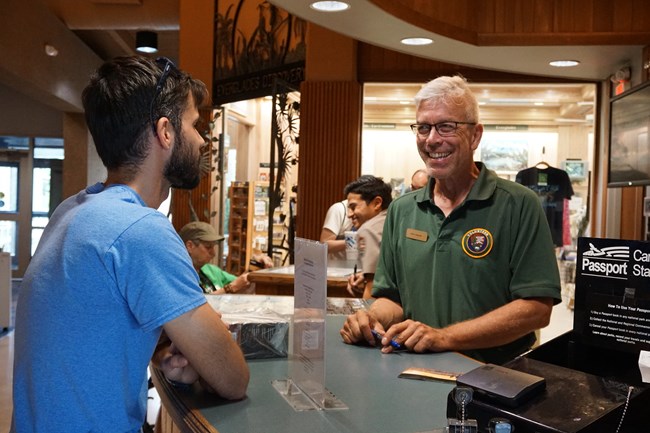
{"x":30,"y":189}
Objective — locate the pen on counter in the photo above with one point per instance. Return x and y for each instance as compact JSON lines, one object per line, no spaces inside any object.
{"x":355,"y":270}
{"x":393,"y":343}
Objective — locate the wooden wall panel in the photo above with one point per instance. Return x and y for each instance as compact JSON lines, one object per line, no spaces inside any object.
{"x":376,"y":64}
{"x":533,"y":22}
{"x":330,"y":149}
{"x":632,"y":213}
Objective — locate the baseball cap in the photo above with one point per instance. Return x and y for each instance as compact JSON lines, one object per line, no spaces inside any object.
{"x":199,"y":231}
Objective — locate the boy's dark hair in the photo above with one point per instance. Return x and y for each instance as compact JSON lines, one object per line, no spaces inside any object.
{"x":119,"y":105}
{"x":369,"y":187}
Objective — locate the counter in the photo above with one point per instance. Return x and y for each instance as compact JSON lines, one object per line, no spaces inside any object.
{"x":361,"y":377}
{"x":279,"y":281}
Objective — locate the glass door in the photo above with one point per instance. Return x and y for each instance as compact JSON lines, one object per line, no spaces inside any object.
{"x":15,"y":208}
{"x":9,"y":208}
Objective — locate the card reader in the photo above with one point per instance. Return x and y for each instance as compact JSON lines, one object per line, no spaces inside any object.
{"x":502,"y":385}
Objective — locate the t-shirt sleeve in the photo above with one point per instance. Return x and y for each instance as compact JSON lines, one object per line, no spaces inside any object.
{"x":534,"y":265}
{"x":218,"y":276}
{"x":385,"y":281}
{"x":335,"y":218}
{"x":369,"y":244}
{"x":153,"y":272}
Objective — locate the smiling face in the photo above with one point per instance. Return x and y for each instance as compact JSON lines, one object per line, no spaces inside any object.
{"x":449,"y":156}
{"x":359,"y":211}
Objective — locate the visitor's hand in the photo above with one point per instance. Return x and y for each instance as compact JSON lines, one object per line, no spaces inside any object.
{"x":176,"y":367}
{"x":240,"y":283}
{"x":356,"y":284}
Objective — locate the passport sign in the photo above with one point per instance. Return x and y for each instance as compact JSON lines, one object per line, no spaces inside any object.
{"x":612,"y":295}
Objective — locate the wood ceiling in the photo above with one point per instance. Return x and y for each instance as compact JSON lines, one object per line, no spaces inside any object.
{"x":522,"y":104}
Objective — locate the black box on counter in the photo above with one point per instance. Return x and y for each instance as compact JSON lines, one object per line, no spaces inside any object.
{"x":261,"y":340}
{"x":259,"y":324}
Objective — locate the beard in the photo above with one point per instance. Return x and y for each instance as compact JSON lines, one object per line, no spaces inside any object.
{"x":183,"y":168}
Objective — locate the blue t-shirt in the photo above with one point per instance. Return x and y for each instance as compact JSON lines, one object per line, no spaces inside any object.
{"x":107,"y":274}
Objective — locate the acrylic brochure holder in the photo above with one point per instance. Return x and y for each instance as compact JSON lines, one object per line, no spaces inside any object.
{"x":305,"y":387}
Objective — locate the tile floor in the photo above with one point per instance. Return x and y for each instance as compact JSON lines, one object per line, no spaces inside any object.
{"x":561,"y":321}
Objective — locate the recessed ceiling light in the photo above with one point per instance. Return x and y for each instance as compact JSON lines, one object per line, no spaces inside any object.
{"x":564,"y":63}
{"x":416,"y":41}
{"x":329,"y":6}
{"x":51,"y":50}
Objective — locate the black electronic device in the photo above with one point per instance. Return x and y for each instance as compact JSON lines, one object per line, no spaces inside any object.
{"x":629,"y":161}
{"x":573,"y":401}
{"x":502,"y":385}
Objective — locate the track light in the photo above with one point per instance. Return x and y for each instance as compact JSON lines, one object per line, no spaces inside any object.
{"x":146,"y":42}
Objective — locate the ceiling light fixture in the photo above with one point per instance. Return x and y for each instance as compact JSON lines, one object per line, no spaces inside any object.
{"x":416,"y":41}
{"x":564,"y":63}
{"x":330,"y":6}
{"x":146,"y":42}
{"x":51,"y":50}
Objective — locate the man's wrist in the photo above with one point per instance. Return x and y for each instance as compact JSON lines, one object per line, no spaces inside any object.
{"x":228,"y":288}
{"x":178,"y":385}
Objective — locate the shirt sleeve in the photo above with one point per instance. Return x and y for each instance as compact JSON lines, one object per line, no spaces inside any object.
{"x":385,"y":281}
{"x":335,"y":218}
{"x":369,"y":244}
{"x":153,"y":272}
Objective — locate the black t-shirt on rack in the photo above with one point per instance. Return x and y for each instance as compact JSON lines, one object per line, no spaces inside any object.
{"x":552,"y":186}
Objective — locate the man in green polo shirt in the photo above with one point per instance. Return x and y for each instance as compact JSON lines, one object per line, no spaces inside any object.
{"x":201,"y":239}
{"x":467,"y":263}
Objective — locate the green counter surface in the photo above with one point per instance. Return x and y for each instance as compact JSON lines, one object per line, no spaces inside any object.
{"x":361,"y":377}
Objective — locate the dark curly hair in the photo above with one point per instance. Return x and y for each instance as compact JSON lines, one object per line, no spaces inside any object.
{"x":369,"y":187}
{"x":120,"y":107}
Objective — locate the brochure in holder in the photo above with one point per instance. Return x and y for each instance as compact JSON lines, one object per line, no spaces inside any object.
{"x":305,"y":387}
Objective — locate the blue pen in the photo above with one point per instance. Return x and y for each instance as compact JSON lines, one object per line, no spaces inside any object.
{"x":393,"y":343}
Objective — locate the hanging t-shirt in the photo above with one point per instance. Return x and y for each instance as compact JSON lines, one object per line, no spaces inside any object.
{"x":552,"y":186}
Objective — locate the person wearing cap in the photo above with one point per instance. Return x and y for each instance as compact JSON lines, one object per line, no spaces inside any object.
{"x":201,"y":239}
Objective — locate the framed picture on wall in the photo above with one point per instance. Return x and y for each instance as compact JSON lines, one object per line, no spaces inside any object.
{"x":577,"y":169}
{"x":505,"y":156}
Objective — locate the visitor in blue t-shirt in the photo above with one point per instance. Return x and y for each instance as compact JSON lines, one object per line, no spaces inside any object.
{"x":110,"y":273}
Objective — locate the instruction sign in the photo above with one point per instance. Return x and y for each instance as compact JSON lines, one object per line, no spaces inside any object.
{"x":612,"y":305}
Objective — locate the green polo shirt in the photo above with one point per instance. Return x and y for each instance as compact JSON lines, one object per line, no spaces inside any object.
{"x":494,"y":248}
{"x":216,"y":278}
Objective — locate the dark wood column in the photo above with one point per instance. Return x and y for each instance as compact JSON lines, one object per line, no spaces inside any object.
{"x":330,"y":148}
{"x":632,"y":213}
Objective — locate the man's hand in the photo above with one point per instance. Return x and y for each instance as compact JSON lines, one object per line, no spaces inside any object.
{"x":176,"y":367}
{"x":414,"y":336}
{"x":240,"y":283}
{"x":357,"y":328}
{"x":356,"y":284}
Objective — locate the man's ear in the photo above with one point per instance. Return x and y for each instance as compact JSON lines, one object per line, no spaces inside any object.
{"x":377,"y":203}
{"x":164,"y":132}
{"x":476,"y":136}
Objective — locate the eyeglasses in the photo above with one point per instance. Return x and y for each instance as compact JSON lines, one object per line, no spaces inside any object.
{"x":166,"y":65}
{"x":444,"y":129}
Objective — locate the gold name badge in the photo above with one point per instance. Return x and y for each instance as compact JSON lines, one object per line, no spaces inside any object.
{"x":417,"y":235}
